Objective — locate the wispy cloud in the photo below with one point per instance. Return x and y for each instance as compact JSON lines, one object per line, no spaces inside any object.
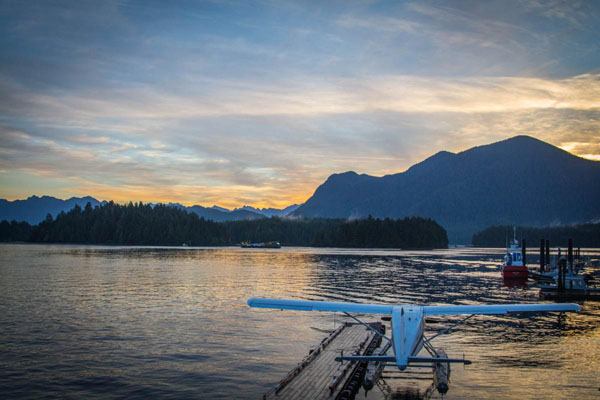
{"x":408,"y":94}
{"x":380,"y":23}
{"x":258,"y":104}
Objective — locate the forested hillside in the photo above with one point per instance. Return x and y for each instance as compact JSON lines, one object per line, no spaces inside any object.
{"x":141,"y":224}
{"x":521,"y":180}
{"x":586,"y":235}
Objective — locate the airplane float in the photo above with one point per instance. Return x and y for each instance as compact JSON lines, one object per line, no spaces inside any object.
{"x":408,"y":323}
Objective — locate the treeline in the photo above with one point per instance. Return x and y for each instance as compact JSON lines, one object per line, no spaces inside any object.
{"x":407,"y":233}
{"x":141,"y":224}
{"x":585,"y":235}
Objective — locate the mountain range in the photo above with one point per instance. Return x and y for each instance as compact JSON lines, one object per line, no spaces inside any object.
{"x":267,"y":212}
{"x":520,"y":181}
{"x":34,"y":209}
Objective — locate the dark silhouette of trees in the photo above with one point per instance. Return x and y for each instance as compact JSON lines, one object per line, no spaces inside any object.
{"x":14,"y":231}
{"x":160,"y":225}
{"x":585,"y":235}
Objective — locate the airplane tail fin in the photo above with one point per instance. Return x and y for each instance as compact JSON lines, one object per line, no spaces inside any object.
{"x":437,"y":360}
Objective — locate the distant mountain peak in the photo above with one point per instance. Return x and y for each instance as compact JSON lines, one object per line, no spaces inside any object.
{"x":521,"y":143}
{"x":433,"y":162}
{"x":521,"y":181}
{"x":270,"y":212}
{"x":34,"y":209}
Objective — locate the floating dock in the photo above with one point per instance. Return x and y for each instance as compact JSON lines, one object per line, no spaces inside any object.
{"x":319,"y":376}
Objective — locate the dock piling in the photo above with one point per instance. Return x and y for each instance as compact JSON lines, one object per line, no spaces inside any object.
{"x":542,"y":256}
{"x":570,"y":254}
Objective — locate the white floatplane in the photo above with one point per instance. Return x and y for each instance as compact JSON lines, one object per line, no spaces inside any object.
{"x":407,"y":324}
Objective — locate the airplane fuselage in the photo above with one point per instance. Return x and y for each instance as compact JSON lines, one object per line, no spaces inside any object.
{"x":407,"y":333}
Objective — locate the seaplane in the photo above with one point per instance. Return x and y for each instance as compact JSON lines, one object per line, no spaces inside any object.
{"x":408,"y":323}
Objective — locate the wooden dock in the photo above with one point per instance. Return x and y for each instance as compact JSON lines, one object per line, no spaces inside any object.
{"x":319,"y":376}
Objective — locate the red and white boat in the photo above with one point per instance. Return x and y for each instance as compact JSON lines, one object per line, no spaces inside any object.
{"x":514,"y":266}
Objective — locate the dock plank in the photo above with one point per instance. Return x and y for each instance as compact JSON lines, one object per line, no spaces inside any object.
{"x":312,"y":381}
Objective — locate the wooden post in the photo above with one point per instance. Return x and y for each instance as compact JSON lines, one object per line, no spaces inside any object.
{"x":542,"y":255}
{"x":561,"y":274}
{"x":570,"y":255}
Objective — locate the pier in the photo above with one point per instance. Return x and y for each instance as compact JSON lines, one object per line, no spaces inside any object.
{"x":566,"y":280}
{"x":319,"y":376}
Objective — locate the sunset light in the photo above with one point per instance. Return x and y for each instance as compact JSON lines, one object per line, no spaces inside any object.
{"x":233,"y":104}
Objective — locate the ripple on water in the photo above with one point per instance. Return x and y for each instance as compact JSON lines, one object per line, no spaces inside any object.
{"x":114,"y":322}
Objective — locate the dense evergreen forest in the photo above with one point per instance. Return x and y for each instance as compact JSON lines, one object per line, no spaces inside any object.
{"x":586,"y":235}
{"x":141,"y":224}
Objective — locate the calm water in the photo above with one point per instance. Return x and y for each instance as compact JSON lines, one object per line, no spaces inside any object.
{"x":114,"y":322}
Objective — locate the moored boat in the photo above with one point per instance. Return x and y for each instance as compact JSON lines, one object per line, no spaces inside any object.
{"x":265,"y":245}
{"x":514,"y":260}
{"x":571,"y":287}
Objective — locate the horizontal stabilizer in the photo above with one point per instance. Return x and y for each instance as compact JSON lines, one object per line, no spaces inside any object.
{"x":367,"y":358}
{"x":437,"y":360}
{"x":309,"y":305}
{"x":498,"y":308}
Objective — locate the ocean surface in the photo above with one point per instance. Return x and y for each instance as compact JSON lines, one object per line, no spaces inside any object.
{"x":85,"y":322}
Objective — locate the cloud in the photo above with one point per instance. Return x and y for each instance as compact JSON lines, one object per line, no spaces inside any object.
{"x":259,"y":104}
{"x":289,"y":138}
{"x":400,"y":93}
{"x":382,"y":23}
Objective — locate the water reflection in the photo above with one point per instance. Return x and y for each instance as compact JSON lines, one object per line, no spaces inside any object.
{"x":81,"y":321}
{"x":515,"y":283}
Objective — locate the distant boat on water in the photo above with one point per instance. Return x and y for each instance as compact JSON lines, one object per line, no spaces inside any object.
{"x":514,"y":264}
{"x":264,"y":245}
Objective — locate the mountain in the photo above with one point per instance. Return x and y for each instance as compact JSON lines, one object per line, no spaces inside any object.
{"x":519,"y":181}
{"x":271,"y":212}
{"x":220,"y":216}
{"x":34,"y":209}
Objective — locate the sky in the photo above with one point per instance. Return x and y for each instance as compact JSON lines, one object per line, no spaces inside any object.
{"x":257,"y":103}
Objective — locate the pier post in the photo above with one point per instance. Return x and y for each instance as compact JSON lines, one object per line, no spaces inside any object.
{"x":542,"y":255}
{"x":561,"y":275}
{"x":547,"y":252}
{"x":570,"y":255}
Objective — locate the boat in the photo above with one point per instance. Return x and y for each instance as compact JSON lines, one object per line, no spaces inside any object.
{"x":548,"y":272}
{"x":514,"y":261}
{"x":262,"y":245}
{"x":569,"y":286}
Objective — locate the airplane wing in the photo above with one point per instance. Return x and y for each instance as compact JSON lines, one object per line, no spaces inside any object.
{"x":308,"y":305}
{"x":498,"y":308}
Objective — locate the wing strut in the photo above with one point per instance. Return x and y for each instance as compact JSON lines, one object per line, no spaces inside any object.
{"x":447,"y":329}
{"x":368,"y":326}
